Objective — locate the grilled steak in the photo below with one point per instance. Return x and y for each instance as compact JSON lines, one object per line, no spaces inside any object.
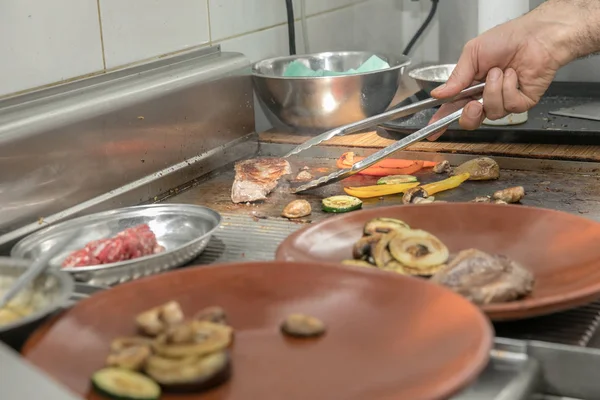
{"x":256,"y":178}
{"x":485,"y":279}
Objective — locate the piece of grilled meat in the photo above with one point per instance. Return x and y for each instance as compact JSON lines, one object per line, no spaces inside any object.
{"x":484,"y":278}
{"x":256,"y":178}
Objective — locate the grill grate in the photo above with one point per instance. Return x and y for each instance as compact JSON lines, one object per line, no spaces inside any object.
{"x":242,"y":237}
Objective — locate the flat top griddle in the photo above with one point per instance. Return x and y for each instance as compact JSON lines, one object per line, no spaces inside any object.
{"x":541,"y":127}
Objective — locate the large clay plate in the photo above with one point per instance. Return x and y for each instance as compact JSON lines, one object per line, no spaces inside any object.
{"x":388,"y":337}
{"x":562,"y":250}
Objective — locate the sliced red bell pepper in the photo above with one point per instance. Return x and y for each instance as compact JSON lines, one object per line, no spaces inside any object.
{"x":349,"y":159}
{"x":408,"y":170}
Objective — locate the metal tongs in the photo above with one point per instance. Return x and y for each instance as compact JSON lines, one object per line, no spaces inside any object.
{"x":378,"y":119}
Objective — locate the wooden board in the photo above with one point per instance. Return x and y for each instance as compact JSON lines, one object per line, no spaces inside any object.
{"x":382,"y":139}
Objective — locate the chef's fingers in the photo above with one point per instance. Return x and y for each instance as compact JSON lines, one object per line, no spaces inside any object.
{"x":473,"y":116}
{"x":462,"y":76}
{"x":514,"y":100}
{"x":445,"y":110}
{"x":493,"y":100}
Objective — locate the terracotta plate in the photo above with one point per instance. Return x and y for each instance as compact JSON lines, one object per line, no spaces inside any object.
{"x":387,"y":338}
{"x":562,"y":250}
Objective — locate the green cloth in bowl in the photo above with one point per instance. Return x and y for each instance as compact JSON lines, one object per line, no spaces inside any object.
{"x":297,"y":69}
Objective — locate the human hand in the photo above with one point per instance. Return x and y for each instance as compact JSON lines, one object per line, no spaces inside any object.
{"x":518,"y":60}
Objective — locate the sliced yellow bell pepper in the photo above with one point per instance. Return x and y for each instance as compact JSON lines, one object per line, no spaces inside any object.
{"x":366,"y":192}
{"x":446,"y":184}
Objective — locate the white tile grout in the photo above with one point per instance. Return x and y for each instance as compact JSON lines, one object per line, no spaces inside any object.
{"x":101,"y":35}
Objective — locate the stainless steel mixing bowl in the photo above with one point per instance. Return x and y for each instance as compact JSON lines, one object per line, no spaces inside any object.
{"x":322,"y":103}
{"x":428,"y":78}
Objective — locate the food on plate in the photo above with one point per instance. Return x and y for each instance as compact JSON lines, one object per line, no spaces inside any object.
{"x":190,"y":374}
{"x":129,"y":353}
{"x":213,"y":314}
{"x":304,"y":175}
{"x":135,"y":242}
{"x":418,"y":249}
{"x":428,"y":190}
{"x":194,"y":338}
{"x":384,"y":225}
{"x":388,"y":166}
{"x":485,"y":278}
{"x":424,"y":200}
{"x":341,"y":204}
{"x":256,"y":178}
{"x":479,"y":169}
{"x":367,"y":192}
{"x":396,"y":179}
{"x":510,"y":195}
{"x":157,"y":320}
{"x":357,"y":263}
{"x":123,"y":384}
{"x":390,"y":244}
{"x":297,"y":209}
{"x":178,"y":355}
{"x":442,"y":167}
{"x":304,"y":326}
{"x":10,"y":314}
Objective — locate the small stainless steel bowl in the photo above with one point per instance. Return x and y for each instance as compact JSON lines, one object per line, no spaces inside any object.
{"x":48,"y":293}
{"x":322,"y":103}
{"x":428,"y":78}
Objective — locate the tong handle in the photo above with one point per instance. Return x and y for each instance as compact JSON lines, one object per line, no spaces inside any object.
{"x":424,"y":133}
{"x":408,"y":110}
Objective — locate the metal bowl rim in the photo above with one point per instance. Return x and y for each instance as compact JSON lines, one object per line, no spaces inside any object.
{"x":415,"y":72}
{"x":16,"y":251}
{"x":403,"y":60}
{"x":67,"y":287}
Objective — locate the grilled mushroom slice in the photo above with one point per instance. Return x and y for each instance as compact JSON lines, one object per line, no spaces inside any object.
{"x":305,"y":326}
{"x":190,"y":374}
{"x":207,"y":338}
{"x":132,"y":357}
{"x":479,"y":169}
{"x":384,"y":225}
{"x":419,"y":251}
{"x":482,"y":199}
{"x":362,"y":249}
{"x":122,"y":343}
{"x":510,"y":195}
{"x":158,"y":319}
{"x":381,"y":254}
{"x":213,"y":314}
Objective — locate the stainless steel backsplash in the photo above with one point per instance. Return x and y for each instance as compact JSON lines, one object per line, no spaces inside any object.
{"x":68,"y":144}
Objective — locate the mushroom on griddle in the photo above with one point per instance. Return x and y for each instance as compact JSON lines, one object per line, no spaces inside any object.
{"x":297,"y":209}
{"x":510,"y":195}
{"x":442,"y":167}
{"x":479,"y":169}
{"x":411,"y":195}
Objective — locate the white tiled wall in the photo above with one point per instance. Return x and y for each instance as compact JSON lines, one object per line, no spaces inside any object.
{"x":47,"y":42}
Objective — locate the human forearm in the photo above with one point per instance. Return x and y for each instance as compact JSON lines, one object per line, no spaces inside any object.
{"x":570,"y":29}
